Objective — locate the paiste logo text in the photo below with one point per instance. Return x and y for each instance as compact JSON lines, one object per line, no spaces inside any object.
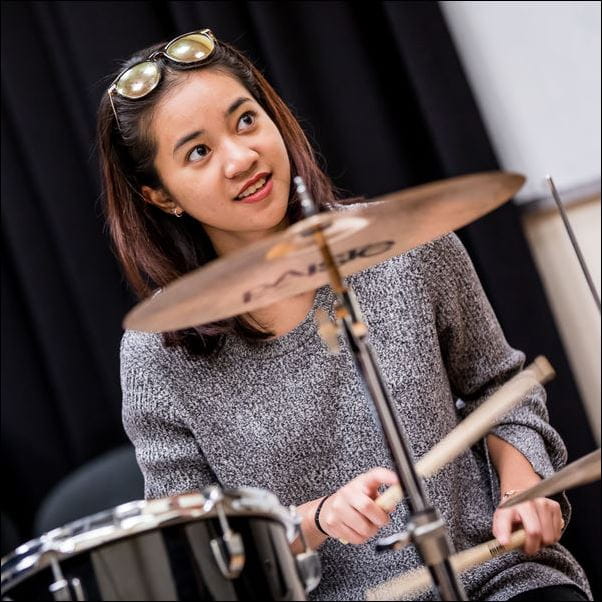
{"x":370,"y":250}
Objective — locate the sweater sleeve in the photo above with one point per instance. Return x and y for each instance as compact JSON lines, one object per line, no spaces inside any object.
{"x":479,"y":360}
{"x":154,"y":419}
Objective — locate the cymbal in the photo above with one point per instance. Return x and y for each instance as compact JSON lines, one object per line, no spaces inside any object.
{"x":289,"y":262}
{"x":580,"y":472}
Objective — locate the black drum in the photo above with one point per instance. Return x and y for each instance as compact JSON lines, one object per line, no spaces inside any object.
{"x":215,"y":545}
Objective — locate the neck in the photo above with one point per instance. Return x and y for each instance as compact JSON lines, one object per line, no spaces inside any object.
{"x":285,"y":315}
{"x":226,"y":242}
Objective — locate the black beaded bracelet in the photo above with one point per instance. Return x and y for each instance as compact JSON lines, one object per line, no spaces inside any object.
{"x":317,"y":515}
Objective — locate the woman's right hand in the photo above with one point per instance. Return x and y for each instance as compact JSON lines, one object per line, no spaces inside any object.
{"x":351,"y":514}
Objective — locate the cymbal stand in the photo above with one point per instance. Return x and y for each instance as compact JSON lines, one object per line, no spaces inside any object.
{"x":573,"y":239}
{"x":426,"y":529}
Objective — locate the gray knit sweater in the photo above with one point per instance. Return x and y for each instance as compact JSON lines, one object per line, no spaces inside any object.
{"x":287,"y":416}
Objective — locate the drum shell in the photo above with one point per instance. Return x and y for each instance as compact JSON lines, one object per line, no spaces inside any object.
{"x":176,"y":562}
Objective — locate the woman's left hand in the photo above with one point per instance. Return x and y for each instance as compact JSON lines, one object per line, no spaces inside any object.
{"x":540,"y":518}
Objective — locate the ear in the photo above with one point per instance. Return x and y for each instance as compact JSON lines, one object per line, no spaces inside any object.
{"x":158,"y":197}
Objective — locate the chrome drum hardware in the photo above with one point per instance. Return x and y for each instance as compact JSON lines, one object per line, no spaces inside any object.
{"x":214,"y":545}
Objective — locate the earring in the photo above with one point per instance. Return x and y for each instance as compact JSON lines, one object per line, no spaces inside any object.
{"x":178,"y":212}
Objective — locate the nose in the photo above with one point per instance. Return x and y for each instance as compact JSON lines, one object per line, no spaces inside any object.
{"x":239,"y":158}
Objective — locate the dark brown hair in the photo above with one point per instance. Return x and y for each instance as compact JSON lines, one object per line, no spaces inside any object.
{"x":153,"y":247}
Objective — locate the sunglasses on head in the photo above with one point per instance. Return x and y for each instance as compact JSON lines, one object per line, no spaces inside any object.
{"x":141,"y":79}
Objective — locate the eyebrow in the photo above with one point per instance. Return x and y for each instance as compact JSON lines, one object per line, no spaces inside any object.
{"x":188,"y":137}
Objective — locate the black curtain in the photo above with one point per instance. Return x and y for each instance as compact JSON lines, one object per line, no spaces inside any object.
{"x":379,"y":89}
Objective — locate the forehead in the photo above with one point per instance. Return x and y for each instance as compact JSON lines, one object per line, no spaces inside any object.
{"x":195,"y":102}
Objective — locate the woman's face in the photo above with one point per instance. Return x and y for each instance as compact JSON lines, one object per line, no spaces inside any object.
{"x":213,"y":141}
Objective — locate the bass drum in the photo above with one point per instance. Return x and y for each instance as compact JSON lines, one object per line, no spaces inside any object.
{"x":214,"y":545}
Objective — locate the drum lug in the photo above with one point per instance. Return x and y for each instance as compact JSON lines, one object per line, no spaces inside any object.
{"x":229,"y":554}
{"x":310,"y":571}
{"x":308,"y":561}
{"x":65,"y":590}
{"x":397,"y":541}
{"x":228,"y":550}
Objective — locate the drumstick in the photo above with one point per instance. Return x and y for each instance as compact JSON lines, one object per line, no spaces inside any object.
{"x":472,"y":428}
{"x":414,"y":582}
{"x":580,"y":472}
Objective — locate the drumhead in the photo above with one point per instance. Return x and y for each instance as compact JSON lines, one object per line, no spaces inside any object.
{"x":139,"y":517}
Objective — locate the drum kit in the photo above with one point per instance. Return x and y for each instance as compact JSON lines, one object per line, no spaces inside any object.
{"x":238,"y":544}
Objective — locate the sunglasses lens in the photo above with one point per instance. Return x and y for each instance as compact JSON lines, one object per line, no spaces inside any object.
{"x":190,"y":48}
{"x":139,"y":80}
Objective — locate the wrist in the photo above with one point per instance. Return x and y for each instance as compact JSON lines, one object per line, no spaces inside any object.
{"x":319,"y":507}
{"x":307,"y":512}
{"x":508,"y":493}
{"x":508,"y":488}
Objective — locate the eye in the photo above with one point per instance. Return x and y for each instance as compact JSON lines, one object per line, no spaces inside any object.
{"x":248,"y":119}
{"x":200,"y":151}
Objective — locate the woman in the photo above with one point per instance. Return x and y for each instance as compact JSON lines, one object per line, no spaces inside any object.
{"x":198,"y":155}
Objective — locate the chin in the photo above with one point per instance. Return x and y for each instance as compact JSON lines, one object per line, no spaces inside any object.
{"x":280,"y":215}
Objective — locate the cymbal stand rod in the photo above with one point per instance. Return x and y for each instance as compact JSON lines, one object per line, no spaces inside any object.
{"x":573,"y":239}
{"x":427,"y":530}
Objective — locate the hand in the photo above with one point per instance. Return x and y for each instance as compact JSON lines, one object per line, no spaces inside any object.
{"x":351,"y":514}
{"x":541,"y":519}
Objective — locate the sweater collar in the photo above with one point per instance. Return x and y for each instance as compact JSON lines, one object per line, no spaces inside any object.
{"x":302,"y":335}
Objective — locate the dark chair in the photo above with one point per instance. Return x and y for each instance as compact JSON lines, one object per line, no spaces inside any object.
{"x":103,"y":483}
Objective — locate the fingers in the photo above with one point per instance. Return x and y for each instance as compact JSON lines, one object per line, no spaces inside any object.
{"x":503,"y":520}
{"x":541,"y":519}
{"x":532,"y":525}
{"x":341,"y":520}
{"x":346,"y":534}
{"x":559,"y":522}
{"x":351,"y":514}
{"x":370,"y":510}
{"x":376,"y":477}
{"x":550,"y":517}
{"x":548,"y":531}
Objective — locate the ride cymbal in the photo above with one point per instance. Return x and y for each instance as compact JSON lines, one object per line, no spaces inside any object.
{"x":289,"y":263}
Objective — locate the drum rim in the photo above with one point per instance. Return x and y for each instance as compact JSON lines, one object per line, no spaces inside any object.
{"x":141,"y":516}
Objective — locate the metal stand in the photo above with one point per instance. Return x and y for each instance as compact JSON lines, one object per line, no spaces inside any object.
{"x":426,"y":530}
{"x":573,"y":239}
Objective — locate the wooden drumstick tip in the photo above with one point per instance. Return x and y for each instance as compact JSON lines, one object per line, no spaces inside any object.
{"x":390,"y":498}
{"x":543,"y":370}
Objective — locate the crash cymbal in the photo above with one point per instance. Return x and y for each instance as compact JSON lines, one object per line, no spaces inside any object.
{"x":580,"y":472}
{"x":289,"y":262}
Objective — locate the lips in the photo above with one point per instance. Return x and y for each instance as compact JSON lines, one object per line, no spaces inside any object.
{"x":253,"y":185}
{"x":259,"y":194}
